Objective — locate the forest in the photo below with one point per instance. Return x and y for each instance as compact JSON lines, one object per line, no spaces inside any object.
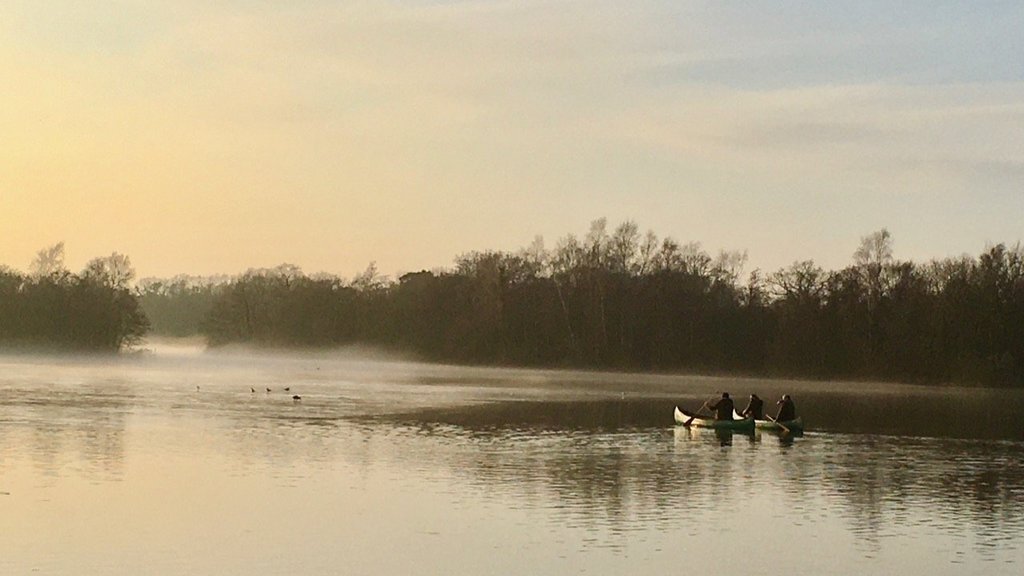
{"x":620,"y":299}
{"x":611,"y":299}
{"x":95,"y":310}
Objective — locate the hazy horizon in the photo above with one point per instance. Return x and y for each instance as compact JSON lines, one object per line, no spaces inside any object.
{"x":208,"y":139}
{"x":72,"y":265}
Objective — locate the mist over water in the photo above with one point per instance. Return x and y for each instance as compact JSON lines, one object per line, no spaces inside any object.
{"x":179,"y":461}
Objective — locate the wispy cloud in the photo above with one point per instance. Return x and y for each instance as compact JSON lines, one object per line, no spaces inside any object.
{"x":304,"y":126}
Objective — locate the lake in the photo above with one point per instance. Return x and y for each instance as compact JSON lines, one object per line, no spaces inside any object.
{"x":178,"y":461}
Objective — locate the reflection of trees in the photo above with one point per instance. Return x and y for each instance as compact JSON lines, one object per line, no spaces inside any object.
{"x":589,"y":478}
{"x":81,"y":425}
{"x":591,"y":415}
{"x":602,"y":469}
{"x":885,"y":483}
{"x":620,"y":478}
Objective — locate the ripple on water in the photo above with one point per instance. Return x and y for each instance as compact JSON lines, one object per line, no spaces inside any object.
{"x":450,"y":466}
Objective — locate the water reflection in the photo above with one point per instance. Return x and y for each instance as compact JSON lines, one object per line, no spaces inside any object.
{"x":882,"y":487}
{"x":81,"y":425}
{"x":553,"y":469}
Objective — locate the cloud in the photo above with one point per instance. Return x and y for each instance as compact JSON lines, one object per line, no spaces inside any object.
{"x":336,"y":131}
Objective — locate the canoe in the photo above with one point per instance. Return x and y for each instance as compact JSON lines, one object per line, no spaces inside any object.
{"x":797,"y":424}
{"x":684,"y":416}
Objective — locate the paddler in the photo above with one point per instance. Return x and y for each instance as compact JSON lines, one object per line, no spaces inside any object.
{"x":754,"y":409}
{"x":787,"y":410}
{"x":723,"y":408}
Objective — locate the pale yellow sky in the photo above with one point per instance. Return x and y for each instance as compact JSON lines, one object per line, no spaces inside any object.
{"x":211,"y":137}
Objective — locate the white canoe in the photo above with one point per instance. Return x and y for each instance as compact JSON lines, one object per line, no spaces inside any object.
{"x":687,"y":418}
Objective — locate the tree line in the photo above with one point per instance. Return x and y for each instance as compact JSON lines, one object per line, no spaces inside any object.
{"x":619,"y":299}
{"x":611,"y":299}
{"x":96,"y":309}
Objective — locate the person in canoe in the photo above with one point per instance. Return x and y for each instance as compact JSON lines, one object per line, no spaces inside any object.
{"x":787,"y":410}
{"x":723,"y":408}
{"x":754,"y":409}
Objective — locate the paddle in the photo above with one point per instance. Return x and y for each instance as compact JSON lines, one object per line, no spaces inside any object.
{"x":692,"y":418}
{"x":780,"y":424}
{"x":702,"y":406}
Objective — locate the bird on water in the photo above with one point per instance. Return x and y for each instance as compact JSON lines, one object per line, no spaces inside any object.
{"x":296,"y":397}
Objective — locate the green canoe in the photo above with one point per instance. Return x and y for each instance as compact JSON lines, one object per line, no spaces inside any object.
{"x":794,"y":425}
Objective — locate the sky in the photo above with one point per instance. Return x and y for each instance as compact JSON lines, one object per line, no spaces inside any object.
{"x":213,"y":136}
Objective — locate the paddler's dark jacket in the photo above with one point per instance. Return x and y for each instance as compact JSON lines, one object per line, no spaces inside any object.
{"x":723,"y":409}
{"x":755,"y":408}
{"x":787,"y":411}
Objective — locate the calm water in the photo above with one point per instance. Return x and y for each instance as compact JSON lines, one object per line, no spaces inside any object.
{"x":125,"y":467}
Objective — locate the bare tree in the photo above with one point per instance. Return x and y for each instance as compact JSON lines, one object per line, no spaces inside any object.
{"x":648,"y":252}
{"x":668,"y":257}
{"x":48,"y":261}
{"x":873,"y":259}
{"x":369,"y":279}
{"x":695,"y":260}
{"x":802,"y":282}
{"x":536,"y":257}
{"x":625,"y":247}
{"x":875,"y":248}
{"x":728,"y":266}
{"x":597,"y":243}
{"x":115,"y":270}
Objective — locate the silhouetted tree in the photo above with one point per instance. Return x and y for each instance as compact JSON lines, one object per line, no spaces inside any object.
{"x":624,"y":300}
{"x":48,"y":261}
{"x":94,"y":310}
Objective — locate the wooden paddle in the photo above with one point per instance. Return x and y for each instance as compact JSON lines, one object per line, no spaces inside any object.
{"x":780,"y":424}
{"x":692,"y":418}
{"x":702,"y":406}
